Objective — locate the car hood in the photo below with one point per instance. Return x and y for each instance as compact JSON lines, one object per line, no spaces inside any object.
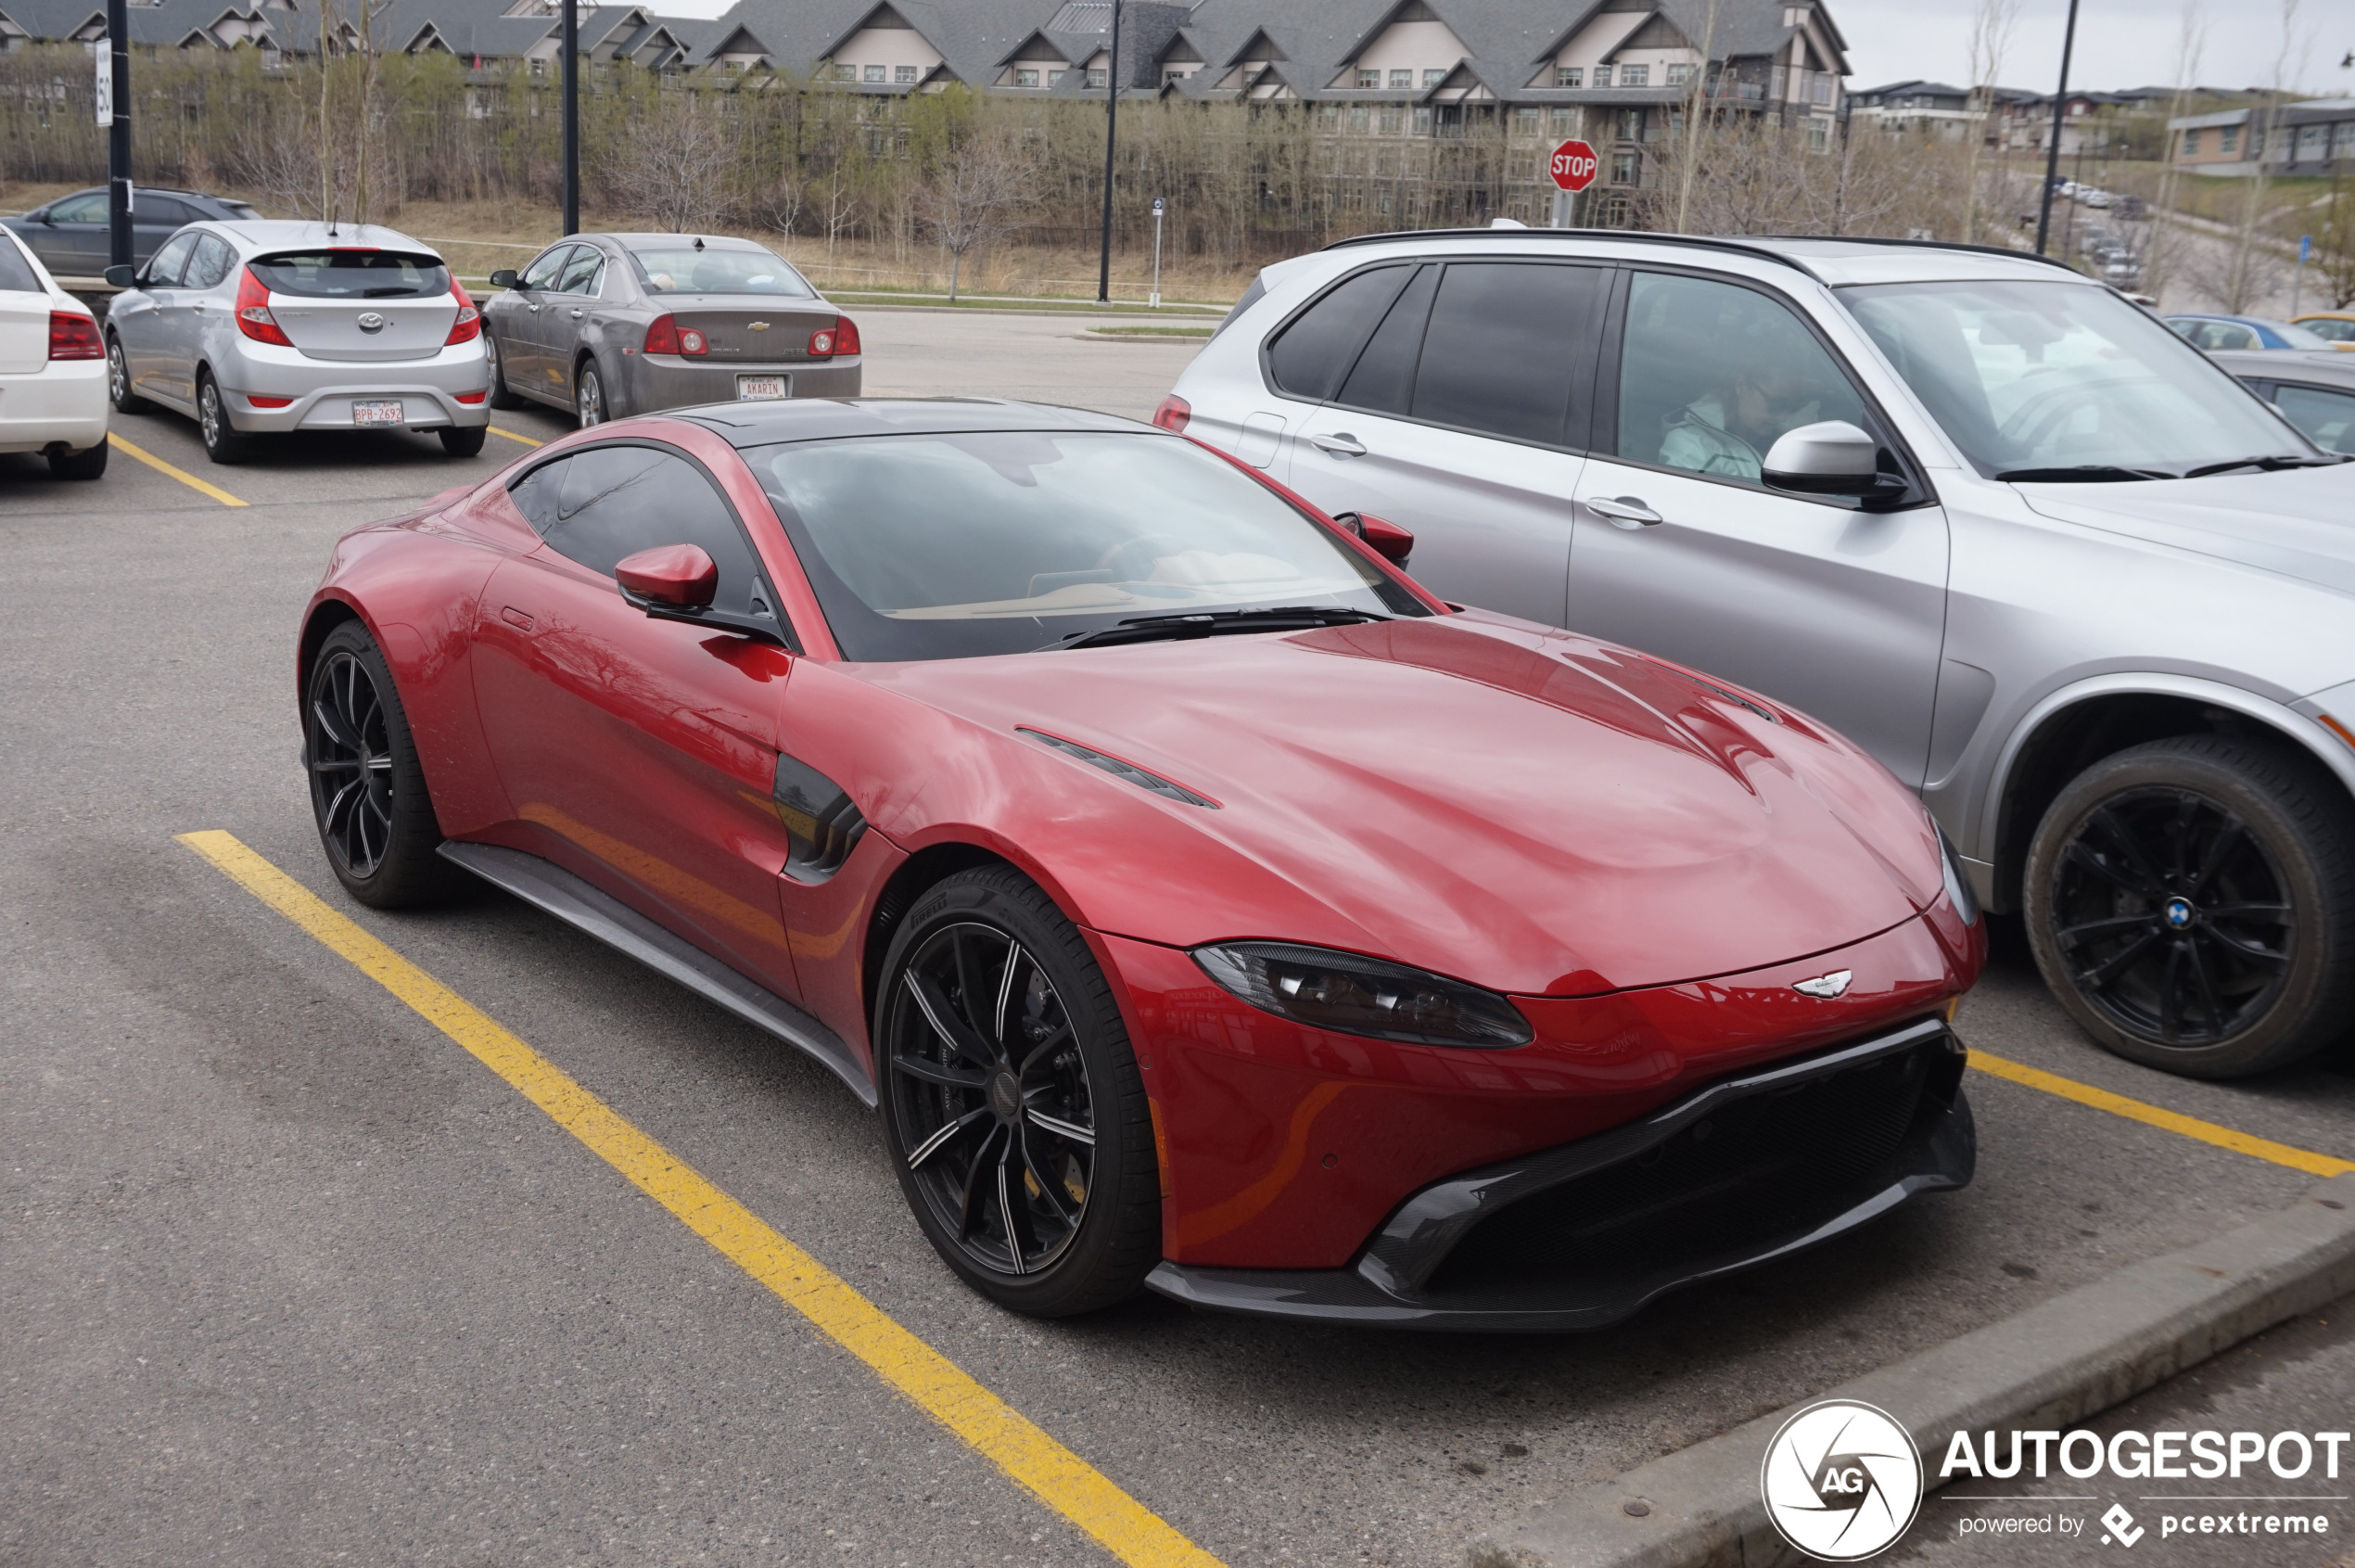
{"x":1524,"y":809}
{"x":2299,"y":522}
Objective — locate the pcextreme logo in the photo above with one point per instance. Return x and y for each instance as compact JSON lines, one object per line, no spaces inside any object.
{"x":1842,"y":1480}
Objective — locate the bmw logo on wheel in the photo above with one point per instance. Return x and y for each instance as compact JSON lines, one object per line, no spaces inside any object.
{"x":1842,"y":1480}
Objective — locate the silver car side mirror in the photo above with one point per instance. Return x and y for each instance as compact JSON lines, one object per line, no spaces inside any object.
{"x":1831,"y":457}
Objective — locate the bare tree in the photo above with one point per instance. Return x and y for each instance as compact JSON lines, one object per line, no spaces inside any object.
{"x":1697,"y":108}
{"x":670,"y":163}
{"x":2242,"y":286}
{"x":973,"y":195}
{"x":1990,"y":39}
{"x":2192,"y":41}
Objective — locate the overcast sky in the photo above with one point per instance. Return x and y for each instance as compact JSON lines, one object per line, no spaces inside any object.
{"x":2120,"y":42}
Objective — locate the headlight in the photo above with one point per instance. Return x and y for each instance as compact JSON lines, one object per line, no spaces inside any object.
{"x":1364,"y":996}
{"x":1958,"y":887}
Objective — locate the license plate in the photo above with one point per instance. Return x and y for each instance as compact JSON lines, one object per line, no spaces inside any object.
{"x":752,"y":388}
{"x":385,"y":411}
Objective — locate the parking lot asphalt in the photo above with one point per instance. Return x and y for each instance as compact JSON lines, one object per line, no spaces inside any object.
{"x":289,"y":1277}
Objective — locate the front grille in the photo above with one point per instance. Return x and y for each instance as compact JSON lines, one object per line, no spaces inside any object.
{"x":1750,"y":1171}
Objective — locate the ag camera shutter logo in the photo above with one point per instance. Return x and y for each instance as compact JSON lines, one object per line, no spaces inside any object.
{"x":1842,"y":1480}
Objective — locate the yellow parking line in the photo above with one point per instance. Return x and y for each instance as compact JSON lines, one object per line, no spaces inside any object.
{"x":1053,"y":1474}
{"x":160,"y":467}
{"x":513,"y":437}
{"x":2152,"y":1116}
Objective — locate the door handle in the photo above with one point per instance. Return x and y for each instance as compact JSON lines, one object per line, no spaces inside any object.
{"x":1341,"y":443}
{"x":1625,"y":512}
{"x":533,"y":309}
{"x":514,"y":617}
{"x":576,"y":315}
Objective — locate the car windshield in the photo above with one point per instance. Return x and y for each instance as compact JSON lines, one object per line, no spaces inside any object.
{"x":353,"y":274}
{"x":733,"y":269}
{"x":953,"y":546}
{"x":2043,"y":378}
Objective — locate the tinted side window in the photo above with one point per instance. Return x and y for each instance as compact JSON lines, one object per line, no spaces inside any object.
{"x":542,"y":272}
{"x":1383,"y":381}
{"x":164,"y":271}
{"x":165,"y":210}
{"x":211,"y":263}
{"x":581,"y":274}
{"x":1316,"y":350}
{"x":88,"y":207}
{"x":1710,"y":372}
{"x":2327,"y":418}
{"x":602,"y":505}
{"x":17,"y":275}
{"x":1505,"y":343}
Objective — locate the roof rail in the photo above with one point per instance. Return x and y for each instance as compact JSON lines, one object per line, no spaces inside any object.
{"x":2005,"y":251}
{"x":1698,"y":241}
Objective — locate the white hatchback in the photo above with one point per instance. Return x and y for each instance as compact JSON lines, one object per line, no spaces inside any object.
{"x":53,"y":368}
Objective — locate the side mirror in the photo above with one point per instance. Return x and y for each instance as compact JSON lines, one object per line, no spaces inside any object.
{"x":1831,"y":457}
{"x":675,"y":576}
{"x":503,"y":278}
{"x":1387,"y":539}
{"x":122,"y":277}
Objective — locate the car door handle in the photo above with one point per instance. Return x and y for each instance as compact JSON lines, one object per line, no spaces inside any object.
{"x":1624,"y":511}
{"x":576,"y":315}
{"x":1341,"y":443}
{"x":533,"y":309}
{"x":514,"y":617}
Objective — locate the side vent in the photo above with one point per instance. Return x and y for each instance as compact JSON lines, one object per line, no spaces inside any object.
{"x":1128,"y":772}
{"x":822,"y":825}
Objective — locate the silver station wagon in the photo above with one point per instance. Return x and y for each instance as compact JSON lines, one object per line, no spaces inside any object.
{"x":605,"y":325}
{"x":2058,"y":570}
{"x":268,"y":326}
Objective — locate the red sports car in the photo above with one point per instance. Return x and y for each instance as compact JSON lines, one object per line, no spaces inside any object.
{"x":1202,"y":904}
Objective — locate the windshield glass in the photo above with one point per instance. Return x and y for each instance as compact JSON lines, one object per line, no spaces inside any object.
{"x":735,"y":269}
{"x":2033,"y":376}
{"x":351,"y":274}
{"x":951,"y":546}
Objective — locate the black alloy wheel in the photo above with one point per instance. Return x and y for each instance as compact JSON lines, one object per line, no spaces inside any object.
{"x":1013,"y":1106}
{"x":222,"y":442}
{"x":368,"y":792}
{"x":2192,"y":903}
{"x":502,"y":395}
{"x":119,"y":390}
{"x":588,"y":397}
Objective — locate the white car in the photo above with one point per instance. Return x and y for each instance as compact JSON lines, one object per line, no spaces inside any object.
{"x":53,"y":368}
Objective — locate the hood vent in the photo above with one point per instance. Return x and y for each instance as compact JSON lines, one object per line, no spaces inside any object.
{"x":1129,"y":771}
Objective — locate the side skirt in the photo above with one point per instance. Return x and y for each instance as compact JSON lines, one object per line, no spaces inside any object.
{"x":549,"y":886}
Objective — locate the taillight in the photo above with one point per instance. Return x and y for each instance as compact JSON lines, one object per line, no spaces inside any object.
{"x":1173,"y":414}
{"x":253,"y":311}
{"x":468,"y":326}
{"x":838,"y":341}
{"x":259,"y":401}
{"x":74,"y":338}
{"x":665,"y":336}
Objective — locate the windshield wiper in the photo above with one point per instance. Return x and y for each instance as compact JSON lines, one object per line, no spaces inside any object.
{"x":2278,"y":461}
{"x":2085,"y":472}
{"x":1214,"y":623}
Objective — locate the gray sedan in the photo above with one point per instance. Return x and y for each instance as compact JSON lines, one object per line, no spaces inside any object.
{"x":2314,"y":392}
{"x":606,"y":325}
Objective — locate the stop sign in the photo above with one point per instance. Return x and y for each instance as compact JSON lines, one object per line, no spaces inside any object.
{"x":1575,"y":166}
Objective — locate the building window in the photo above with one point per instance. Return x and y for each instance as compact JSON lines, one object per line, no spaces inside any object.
{"x":903,"y":75}
{"x":1602,"y":76}
{"x":1368,"y":78}
{"x":1423,"y":120}
{"x":1098,"y":78}
{"x":2190,"y":143}
{"x":540,"y":67}
{"x":2343,"y":139}
{"x":1570,"y":76}
{"x":1635,"y":76}
{"x":1623,"y":168}
{"x":1357,"y":119}
{"x":1169,"y":76}
{"x":1565,"y":121}
{"x":874,"y":74}
{"x":2229,"y":139}
{"x":1392,"y":120}
{"x":1433,"y":78}
{"x":846,"y":73}
{"x":1819,"y":134}
{"x":1055,"y":78}
{"x":1679,"y":75}
{"x":1525,"y":122}
{"x":1402,"y":79}
{"x":1030,"y":78}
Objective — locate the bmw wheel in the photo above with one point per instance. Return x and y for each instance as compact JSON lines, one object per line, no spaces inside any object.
{"x":367,"y":791}
{"x":119,"y":390}
{"x":590,"y":397}
{"x":2192,"y":903}
{"x":222,"y":442}
{"x":1012,"y":1107}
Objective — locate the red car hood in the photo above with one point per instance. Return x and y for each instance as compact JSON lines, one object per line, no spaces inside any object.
{"x":1523,"y":808}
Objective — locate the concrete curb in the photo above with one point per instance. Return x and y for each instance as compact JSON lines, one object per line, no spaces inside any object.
{"x":2046,"y":1367}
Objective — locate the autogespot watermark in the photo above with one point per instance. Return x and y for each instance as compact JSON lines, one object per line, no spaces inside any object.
{"x":1843,"y":1481}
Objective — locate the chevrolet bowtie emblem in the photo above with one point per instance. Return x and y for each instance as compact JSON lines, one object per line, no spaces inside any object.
{"x":760,"y":326}
{"x":1825,"y":986}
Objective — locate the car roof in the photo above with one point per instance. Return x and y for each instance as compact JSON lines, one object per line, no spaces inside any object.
{"x":817,"y":419}
{"x":270,"y":234}
{"x":2324,"y":367}
{"x":1834,"y":262}
{"x":2323,"y":315}
{"x":631,"y":239}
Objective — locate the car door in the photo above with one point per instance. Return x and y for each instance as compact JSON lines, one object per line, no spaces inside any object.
{"x":566,"y":316}
{"x":72,"y":236}
{"x":147,"y":321}
{"x":523,"y":356}
{"x":182,"y":319}
{"x":640,"y":753}
{"x":1682,"y":550}
{"x":1461,"y":418}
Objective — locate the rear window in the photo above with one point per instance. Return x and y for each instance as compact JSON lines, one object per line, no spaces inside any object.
{"x":682,"y":268}
{"x":16,"y":273}
{"x":353,"y":274}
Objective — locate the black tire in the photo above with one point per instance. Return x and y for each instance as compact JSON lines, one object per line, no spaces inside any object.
{"x":368,"y":793}
{"x":502,"y":395}
{"x":589,"y":403}
{"x":463,"y":440}
{"x":2192,"y":904}
{"x":1054,"y":1208}
{"x":87,"y":465}
{"x":222,"y":442}
{"x":119,"y":390}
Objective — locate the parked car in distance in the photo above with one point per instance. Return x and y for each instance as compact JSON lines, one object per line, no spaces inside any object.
{"x":1040,"y":775}
{"x":2215,"y":332}
{"x":280,"y":327}
{"x":72,"y":236}
{"x":607,"y":325}
{"x":2059,"y":570}
{"x":53,"y":374}
{"x":2314,"y":392}
{"x":2334,"y":328}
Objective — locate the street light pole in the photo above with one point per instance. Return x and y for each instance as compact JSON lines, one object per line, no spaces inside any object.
{"x":572,"y":116}
{"x":1111,"y":124}
{"x":2052,"y":154}
{"x":118,"y":135}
